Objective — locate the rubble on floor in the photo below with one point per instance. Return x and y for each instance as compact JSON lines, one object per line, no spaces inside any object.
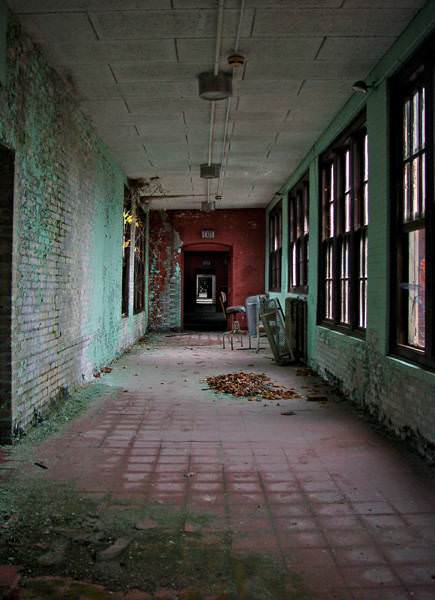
{"x":248,"y":385}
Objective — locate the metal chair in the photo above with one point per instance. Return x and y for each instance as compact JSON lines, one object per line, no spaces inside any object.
{"x":232,"y":312}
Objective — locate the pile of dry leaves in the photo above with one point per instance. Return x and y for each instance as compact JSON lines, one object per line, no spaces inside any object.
{"x":249,"y":385}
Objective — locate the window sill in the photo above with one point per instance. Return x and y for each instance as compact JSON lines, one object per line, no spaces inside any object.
{"x":427,"y":373}
{"x":357,"y":334}
{"x":412,"y":358}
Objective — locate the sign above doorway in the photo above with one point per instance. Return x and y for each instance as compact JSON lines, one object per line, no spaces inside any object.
{"x":207,"y":234}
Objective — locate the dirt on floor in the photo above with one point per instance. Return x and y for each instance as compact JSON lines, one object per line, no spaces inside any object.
{"x":59,"y":539}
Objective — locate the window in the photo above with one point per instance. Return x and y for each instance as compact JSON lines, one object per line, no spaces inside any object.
{"x":413,"y":214}
{"x":127,"y":221}
{"x":298,"y":204}
{"x":344,"y":219}
{"x":275,"y":248}
{"x":139,"y":260}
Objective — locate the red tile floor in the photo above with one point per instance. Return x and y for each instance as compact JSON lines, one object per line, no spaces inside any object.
{"x":333,"y":500}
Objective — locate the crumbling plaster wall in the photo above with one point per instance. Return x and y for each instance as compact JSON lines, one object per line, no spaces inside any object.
{"x":67,"y":256}
{"x":165,"y":273}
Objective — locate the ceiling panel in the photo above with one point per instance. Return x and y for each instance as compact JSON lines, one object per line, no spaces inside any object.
{"x":308,"y":70}
{"x":369,"y":22}
{"x":258,"y":50}
{"x":118,"y":25}
{"x":46,"y":6}
{"x":54,"y":27}
{"x":156,"y":71}
{"x":106,"y":52}
{"x":348,"y":49}
{"x":133,"y":66}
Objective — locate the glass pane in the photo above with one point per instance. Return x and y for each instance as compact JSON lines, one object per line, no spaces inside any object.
{"x":406,"y":193}
{"x":347,"y":205}
{"x":366,"y":204}
{"x":415,"y":187}
{"x":416,"y":288}
{"x":347,"y":172}
{"x":406,"y":128}
{"x":328,"y":282}
{"x":293,"y":271}
{"x":306,"y":208}
{"x":365,"y":215}
{"x":362,"y":308}
{"x":366,"y":157}
{"x":299,"y":215}
{"x":423,"y":184}
{"x":344,"y":283}
{"x":292,"y":219}
{"x":331,"y":203}
{"x":415,"y":122}
{"x":423,"y":117}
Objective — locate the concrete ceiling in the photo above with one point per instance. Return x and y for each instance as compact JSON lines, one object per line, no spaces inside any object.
{"x":135,"y":62}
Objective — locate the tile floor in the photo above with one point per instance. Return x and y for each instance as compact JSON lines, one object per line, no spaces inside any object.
{"x":333,"y":500}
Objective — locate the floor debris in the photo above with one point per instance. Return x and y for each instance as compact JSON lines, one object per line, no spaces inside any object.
{"x":40,"y":465}
{"x":317,"y":399}
{"x":245,"y":385}
{"x":305,"y":372}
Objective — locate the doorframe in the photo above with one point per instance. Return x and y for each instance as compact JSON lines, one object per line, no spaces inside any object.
{"x":206,"y":247}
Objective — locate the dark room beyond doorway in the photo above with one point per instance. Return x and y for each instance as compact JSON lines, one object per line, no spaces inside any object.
{"x":205,"y":278}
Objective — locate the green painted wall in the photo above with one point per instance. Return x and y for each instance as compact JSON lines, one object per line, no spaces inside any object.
{"x":400,"y":394}
{"x":68,"y":227}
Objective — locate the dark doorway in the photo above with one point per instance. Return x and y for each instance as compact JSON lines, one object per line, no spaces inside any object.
{"x":6,"y":233}
{"x":205,"y":277}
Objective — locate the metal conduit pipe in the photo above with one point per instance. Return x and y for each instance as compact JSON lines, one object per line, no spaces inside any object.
{"x":220,"y":25}
{"x":219,"y":29}
{"x":226,"y":138}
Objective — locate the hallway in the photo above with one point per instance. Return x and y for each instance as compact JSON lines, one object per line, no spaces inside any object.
{"x":220,"y":497}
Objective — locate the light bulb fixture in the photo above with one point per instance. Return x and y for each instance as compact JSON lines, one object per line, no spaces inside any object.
{"x":208,"y":206}
{"x":215,"y":87}
{"x":236,"y":60}
{"x":361,"y":87}
{"x":211,"y":171}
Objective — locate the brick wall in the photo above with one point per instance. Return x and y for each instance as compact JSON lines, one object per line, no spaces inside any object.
{"x":67,"y":236}
{"x":241,"y":232}
{"x":6,"y":221}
